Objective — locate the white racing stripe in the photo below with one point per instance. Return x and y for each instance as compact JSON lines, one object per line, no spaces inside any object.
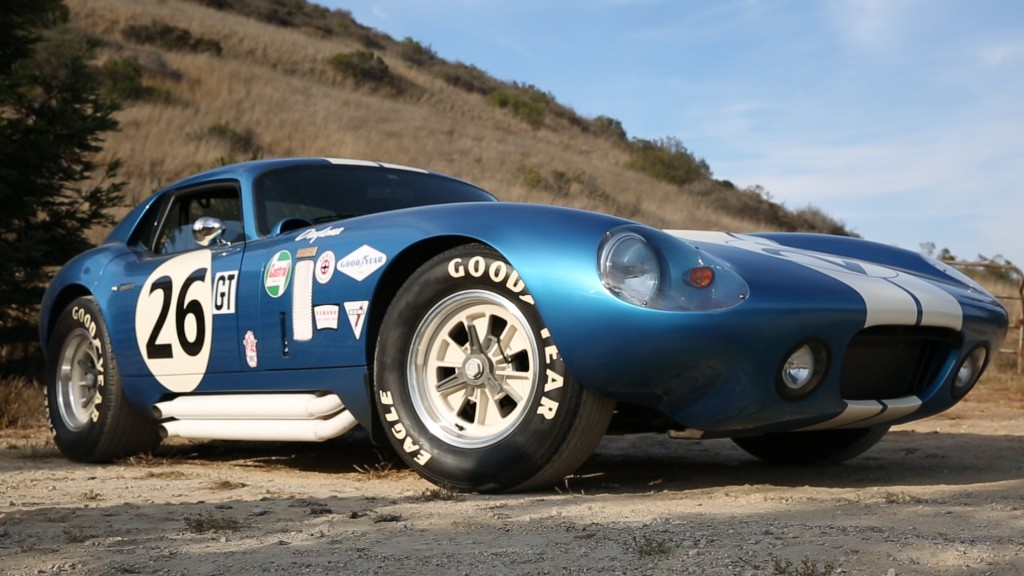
{"x":890,"y":297}
{"x":865,"y":413}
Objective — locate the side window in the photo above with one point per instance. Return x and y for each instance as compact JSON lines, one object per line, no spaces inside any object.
{"x":175,"y":232}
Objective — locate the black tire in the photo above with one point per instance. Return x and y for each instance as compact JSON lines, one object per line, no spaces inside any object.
{"x":90,"y":417}
{"x":816,"y":446}
{"x":470,"y":387}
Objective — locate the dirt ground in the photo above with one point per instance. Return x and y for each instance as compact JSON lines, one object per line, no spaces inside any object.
{"x":941,"y":496}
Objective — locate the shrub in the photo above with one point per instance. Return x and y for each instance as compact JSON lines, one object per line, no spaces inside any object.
{"x":303,"y":15}
{"x":610,"y":128}
{"x":813,"y":219}
{"x":121,"y":79}
{"x":526,"y":102}
{"x":170,"y":37}
{"x":21,"y":402}
{"x":469,"y":78}
{"x":667,"y":160}
{"x":560,"y":182}
{"x":532,"y":178}
{"x":239,"y":142}
{"x":415,"y":53}
{"x":363,"y":67}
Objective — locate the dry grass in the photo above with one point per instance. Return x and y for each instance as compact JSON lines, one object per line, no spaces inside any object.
{"x":21,"y":403}
{"x":275,"y":82}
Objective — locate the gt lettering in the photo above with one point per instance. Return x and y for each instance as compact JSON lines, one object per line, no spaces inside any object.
{"x":497,"y":272}
{"x":224,"y":292}
{"x":400,"y":433}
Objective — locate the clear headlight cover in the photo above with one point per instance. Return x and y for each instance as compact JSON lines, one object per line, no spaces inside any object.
{"x":629,"y":267}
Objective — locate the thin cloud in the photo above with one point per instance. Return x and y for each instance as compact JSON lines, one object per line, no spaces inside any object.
{"x":874,"y":25}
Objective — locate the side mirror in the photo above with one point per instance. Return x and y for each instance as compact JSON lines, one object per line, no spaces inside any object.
{"x":207,"y":229}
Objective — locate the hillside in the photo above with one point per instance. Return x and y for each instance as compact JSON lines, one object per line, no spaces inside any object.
{"x":219,"y":85}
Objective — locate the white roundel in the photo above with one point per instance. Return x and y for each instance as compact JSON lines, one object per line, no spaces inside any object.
{"x":174,"y":321}
{"x":325,"y":267}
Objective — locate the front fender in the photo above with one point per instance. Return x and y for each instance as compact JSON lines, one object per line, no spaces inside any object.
{"x":82,"y":275}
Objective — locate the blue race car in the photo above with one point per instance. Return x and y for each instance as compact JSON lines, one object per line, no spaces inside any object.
{"x":492,"y":344}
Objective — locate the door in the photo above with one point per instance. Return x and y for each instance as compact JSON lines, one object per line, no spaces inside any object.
{"x":181,"y":297}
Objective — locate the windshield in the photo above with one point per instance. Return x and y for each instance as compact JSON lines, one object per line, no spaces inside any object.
{"x":323,"y":193}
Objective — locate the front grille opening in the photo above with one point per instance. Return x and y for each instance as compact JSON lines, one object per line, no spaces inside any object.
{"x":894,"y":361}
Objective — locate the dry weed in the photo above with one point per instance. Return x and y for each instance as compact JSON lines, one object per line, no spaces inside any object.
{"x":21,"y":403}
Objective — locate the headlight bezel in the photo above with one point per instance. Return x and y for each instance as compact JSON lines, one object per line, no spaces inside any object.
{"x":629,"y":267}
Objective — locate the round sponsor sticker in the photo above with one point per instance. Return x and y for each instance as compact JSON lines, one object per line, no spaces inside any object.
{"x":325,"y":267}
{"x":279,"y":272}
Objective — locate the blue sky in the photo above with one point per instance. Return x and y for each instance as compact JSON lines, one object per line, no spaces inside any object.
{"x":902,"y":118}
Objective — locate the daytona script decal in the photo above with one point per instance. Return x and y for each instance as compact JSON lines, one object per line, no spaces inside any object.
{"x":312,"y":235}
{"x":174,"y":320}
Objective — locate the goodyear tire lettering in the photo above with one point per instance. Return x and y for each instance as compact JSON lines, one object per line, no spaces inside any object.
{"x":84,"y":318}
{"x":90,"y":417}
{"x":497,"y":271}
{"x":469,"y":380}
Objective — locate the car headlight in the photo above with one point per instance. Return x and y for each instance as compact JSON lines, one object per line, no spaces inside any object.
{"x":629,"y":267}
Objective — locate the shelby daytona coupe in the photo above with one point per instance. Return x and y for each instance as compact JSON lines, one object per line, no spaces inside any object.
{"x":492,"y":344}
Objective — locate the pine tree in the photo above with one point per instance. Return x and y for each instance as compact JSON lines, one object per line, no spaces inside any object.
{"x":52,"y":117}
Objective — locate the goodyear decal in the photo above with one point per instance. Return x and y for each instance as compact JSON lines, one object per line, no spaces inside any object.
{"x":361,"y":262}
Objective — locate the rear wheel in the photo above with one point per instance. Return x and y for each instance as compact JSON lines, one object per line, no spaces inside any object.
{"x":830,"y":446}
{"x":90,"y":418}
{"x":470,"y":385}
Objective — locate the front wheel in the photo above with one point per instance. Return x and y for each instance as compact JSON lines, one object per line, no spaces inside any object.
{"x":90,"y":417}
{"x":470,"y":385}
{"x":828,"y":446}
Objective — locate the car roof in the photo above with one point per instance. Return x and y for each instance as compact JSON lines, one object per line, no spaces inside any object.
{"x":251,"y":169}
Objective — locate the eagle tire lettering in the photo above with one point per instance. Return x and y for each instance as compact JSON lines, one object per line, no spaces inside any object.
{"x":468,"y":379}
{"x":397,"y":431}
{"x":90,"y":418}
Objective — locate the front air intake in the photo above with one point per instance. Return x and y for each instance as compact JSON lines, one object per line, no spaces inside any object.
{"x":894,"y":361}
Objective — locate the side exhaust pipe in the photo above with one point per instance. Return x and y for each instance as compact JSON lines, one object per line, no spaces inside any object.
{"x":257,"y":417}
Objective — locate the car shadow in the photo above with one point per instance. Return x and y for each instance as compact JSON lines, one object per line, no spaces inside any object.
{"x":902,"y":458}
{"x":645,"y":462}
